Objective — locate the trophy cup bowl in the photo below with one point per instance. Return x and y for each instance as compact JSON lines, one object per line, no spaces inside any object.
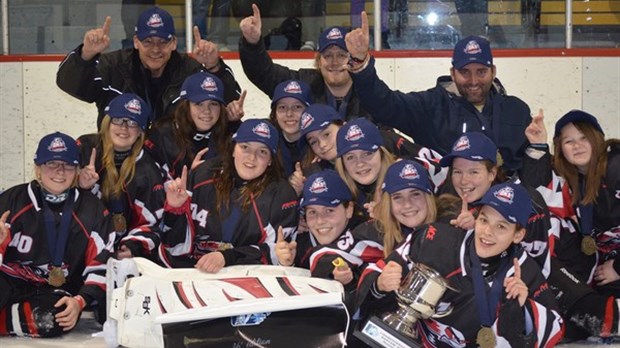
{"x":417,"y":297}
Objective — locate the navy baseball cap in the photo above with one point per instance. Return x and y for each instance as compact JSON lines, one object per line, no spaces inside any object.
{"x":317,"y":117}
{"x":57,"y":147}
{"x":576,"y":116}
{"x":473,"y":146}
{"x":333,"y":36}
{"x":293,"y":89}
{"x":472,"y":49}
{"x":258,"y":130}
{"x":202,"y":86}
{"x":358,"y":134}
{"x":511,"y":200}
{"x":406,"y":174}
{"x":131,"y":106}
{"x":325,"y":188}
{"x":155,"y":21}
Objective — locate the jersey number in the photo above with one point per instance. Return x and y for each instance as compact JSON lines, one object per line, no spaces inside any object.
{"x":23,"y":244}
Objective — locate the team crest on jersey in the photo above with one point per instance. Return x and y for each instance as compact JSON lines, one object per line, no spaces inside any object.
{"x":354,"y":133}
{"x":472,"y":47}
{"x":618,"y":194}
{"x":306,"y":120}
{"x":262,"y":130}
{"x":57,"y":145}
{"x":293,"y":88}
{"x":409,"y":172}
{"x":209,"y":85}
{"x":134,"y":106}
{"x":462,"y":144}
{"x":334,"y":34}
{"x":155,"y":21}
{"x":505,"y":194}
{"x":318,"y":186}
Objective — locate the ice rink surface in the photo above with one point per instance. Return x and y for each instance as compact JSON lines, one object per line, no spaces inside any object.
{"x":88,"y":335}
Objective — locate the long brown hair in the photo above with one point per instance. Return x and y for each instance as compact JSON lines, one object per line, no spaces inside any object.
{"x":596,"y":168}
{"x":309,"y":156}
{"x":113,"y":181}
{"x":183,"y":129}
{"x":389,"y":227}
{"x":386,"y":160}
{"x":224,"y":180}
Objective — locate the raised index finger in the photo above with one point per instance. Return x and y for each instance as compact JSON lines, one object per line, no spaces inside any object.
{"x":242,"y":97}
{"x":106,"y":25}
{"x":183,"y":185}
{"x":464,"y":206}
{"x":93,"y":157}
{"x":364,"y":18}
{"x":280,"y":237}
{"x":255,"y":12}
{"x":197,"y":36}
{"x":515,"y":262}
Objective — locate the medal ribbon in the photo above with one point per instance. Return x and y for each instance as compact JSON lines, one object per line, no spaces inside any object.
{"x":586,"y":211}
{"x":487,"y":298}
{"x":57,"y":237}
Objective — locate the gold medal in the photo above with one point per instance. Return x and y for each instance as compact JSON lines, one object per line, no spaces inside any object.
{"x":486,"y":338}
{"x":224,"y":246}
{"x":120,"y":225}
{"x":588,"y":245}
{"x":56,"y":277}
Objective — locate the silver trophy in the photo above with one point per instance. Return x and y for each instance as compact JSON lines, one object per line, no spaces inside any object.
{"x":417,"y":297}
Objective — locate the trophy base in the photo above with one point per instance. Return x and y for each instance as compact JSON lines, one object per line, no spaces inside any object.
{"x":378,"y":334}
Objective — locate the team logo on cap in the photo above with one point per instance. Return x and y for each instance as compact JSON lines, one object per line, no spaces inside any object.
{"x":462,"y":144}
{"x":209,"y":85}
{"x":354,"y":133}
{"x":262,"y":130}
{"x":155,"y":21}
{"x":505,"y":194}
{"x":134,"y":106}
{"x":334,"y":34}
{"x":409,"y":172}
{"x":472,"y":47}
{"x":57,"y":145}
{"x":293,"y":88}
{"x":318,"y":186}
{"x":306,"y":120}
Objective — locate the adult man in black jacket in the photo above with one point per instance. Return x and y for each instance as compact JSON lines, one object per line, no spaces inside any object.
{"x":329,"y":81}
{"x":152,"y":69}
{"x":470,"y":99}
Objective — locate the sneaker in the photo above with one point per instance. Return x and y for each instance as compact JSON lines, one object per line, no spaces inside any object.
{"x":308,"y":46}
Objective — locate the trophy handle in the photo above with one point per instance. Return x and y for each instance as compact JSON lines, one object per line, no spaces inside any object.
{"x":443,"y":280}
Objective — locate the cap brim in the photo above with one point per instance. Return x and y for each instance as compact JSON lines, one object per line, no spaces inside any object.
{"x":322,"y":201}
{"x":399,"y":187}
{"x":257,"y":140}
{"x":200,"y":98}
{"x":343,"y":46}
{"x":461,"y":64}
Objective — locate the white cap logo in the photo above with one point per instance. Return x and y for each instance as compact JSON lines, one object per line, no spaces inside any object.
{"x":318,"y":185}
{"x":306,"y":120}
{"x":57,"y":145}
{"x":354,"y":133}
{"x":472,"y":47}
{"x":334,"y":34}
{"x":409,"y":172}
{"x":293,"y":88}
{"x":209,"y":85}
{"x":262,"y":130}
{"x":462,"y":144}
{"x":155,"y":21}
{"x":505,"y":194}
{"x":134,"y":106}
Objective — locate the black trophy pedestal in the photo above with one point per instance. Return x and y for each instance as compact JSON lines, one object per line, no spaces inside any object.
{"x":378,"y":334}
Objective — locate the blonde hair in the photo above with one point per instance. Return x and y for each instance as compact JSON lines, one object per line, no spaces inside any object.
{"x":113,"y":181}
{"x":387,"y":158}
{"x":389,"y":227}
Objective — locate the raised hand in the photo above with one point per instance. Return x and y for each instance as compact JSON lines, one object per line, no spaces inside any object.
{"x":176,"y":190}
{"x":198,"y":158}
{"x":515,"y":287}
{"x":297,"y":179}
{"x":466,"y":219}
{"x":235,"y":108}
{"x":205,"y":52}
{"x":536,"y":132}
{"x":390,"y":278}
{"x":370,"y":206}
{"x":88,"y":175}
{"x":342,"y":272}
{"x":251,"y":26}
{"x":358,"y":40}
{"x":96,"y":40}
{"x":285,"y":251}
{"x":4,"y":230}
{"x":212,"y":262}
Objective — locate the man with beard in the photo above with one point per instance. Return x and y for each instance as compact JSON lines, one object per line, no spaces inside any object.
{"x":330,"y":81}
{"x":470,"y":99}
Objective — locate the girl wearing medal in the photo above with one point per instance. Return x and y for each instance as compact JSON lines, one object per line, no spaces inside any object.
{"x":199,"y":129}
{"x":501,"y":296}
{"x":581,"y":184}
{"x":124,"y":176}
{"x":238,"y":201}
{"x":54,"y":244}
